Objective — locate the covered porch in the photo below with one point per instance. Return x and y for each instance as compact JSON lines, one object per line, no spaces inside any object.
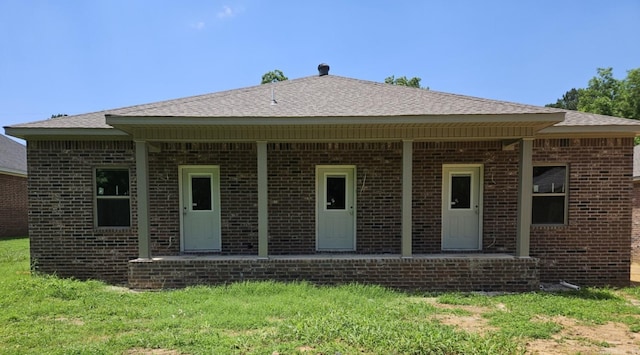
{"x":478,"y":270}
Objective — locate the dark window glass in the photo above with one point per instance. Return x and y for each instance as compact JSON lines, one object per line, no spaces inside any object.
{"x":336,"y":192}
{"x":112,"y":198}
{"x":548,"y":210}
{"x":549,"y":179}
{"x":112,"y":182}
{"x":201,"y":193}
{"x":113,"y":212}
{"x":460,"y":192}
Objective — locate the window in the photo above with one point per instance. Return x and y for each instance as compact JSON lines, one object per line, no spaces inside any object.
{"x":549,"y":195}
{"x":112,"y":197}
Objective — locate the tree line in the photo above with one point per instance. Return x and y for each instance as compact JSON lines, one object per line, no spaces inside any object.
{"x":605,"y":95}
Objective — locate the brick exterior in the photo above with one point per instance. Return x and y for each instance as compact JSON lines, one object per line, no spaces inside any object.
{"x":592,"y":249}
{"x":14,"y":207}
{"x":433,"y":274}
{"x":595,"y":247}
{"x":635,"y":230}
{"x":63,"y":238}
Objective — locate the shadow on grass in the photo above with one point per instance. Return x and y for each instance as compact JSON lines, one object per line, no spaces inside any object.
{"x":13,"y":238}
{"x":587,"y":294}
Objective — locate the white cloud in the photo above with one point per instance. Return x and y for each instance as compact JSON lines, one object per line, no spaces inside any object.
{"x":198,"y":25}
{"x":226,"y":12}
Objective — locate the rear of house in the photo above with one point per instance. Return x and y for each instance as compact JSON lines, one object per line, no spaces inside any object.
{"x":333,"y":180}
{"x":13,"y":189}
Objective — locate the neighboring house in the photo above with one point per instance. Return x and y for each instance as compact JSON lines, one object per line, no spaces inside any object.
{"x":333,"y":180}
{"x":635,"y":235}
{"x":13,"y":189}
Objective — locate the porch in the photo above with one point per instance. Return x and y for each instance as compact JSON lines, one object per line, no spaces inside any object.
{"x":432,"y":272}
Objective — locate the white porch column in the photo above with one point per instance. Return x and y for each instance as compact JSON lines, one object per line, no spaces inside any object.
{"x":407,"y":199}
{"x":142,"y":178}
{"x":263,"y":202}
{"x":525,"y":182}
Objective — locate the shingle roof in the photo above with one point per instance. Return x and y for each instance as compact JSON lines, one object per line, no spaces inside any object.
{"x":325,"y":96}
{"x":13,"y":156}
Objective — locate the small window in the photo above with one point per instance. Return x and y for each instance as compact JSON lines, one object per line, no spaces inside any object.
{"x":549,"y":202}
{"x":112,"y":198}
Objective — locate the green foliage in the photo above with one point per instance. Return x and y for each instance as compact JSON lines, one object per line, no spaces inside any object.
{"x":272,"y":76}
{"x":606,"y":95}
{"x":569,"y":100}
{"x":403,"y":81}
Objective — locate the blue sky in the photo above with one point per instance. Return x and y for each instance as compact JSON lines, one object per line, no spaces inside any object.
{"x":68,"y":56}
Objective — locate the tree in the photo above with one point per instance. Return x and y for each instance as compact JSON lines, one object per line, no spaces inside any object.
{"x":603,"y":95}
{"x":630,"y":94}
{"x":606,"y":95}
{"x":274,"y":75}
{"x":403,"y":81}
{"x":569,"y":100}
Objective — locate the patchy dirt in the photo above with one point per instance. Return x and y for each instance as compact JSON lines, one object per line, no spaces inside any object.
{"x":574,"y":338}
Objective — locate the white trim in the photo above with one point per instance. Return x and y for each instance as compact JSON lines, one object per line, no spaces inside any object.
{"x":12,"y":172}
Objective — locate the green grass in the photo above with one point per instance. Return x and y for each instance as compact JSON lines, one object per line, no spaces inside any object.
{"x":45,"y":314}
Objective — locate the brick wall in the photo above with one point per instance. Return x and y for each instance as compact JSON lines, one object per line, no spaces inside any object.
{"x":635,"y":230}
{"x":432,"y":274}
{"x":14,"y":206}
{"x":594,"y":248}
{"x":238,"y":194}
{"x":63,"y":238}
{"x":500,"y":192}
{"x":292,"y":194}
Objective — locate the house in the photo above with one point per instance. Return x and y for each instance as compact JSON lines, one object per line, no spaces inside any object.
{"x":13,"y":188}
{"x":333,"y":180}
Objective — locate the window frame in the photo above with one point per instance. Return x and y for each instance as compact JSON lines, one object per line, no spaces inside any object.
{"x":96,"y":197}
{"x":564,"y":194}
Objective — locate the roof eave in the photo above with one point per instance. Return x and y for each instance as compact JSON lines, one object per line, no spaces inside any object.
{"x":545,"y":119}
{"x":608,"y":129}
{"x":13,"y":172}
{"x":27,"y":133}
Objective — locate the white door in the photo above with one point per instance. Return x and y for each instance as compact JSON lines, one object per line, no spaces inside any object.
{"x":461,"y":207}
{"x":336,"y":210}
{"x":200,"y":203}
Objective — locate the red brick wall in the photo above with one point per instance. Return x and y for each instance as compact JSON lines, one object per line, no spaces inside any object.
{"x":594,"y":248}
{"x":238,"y":194}
{"x":63,"y":238}
{"x":635,"y":230}
{"x":14,"y":207}
{"x":500,"y":192}
{"x":430,"y":274}
{"x":292,"y":194}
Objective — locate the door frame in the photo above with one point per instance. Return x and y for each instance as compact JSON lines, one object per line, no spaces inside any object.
{"x":355,"y":200}
{"x":445,"y":203}
{"x":215,"y":171}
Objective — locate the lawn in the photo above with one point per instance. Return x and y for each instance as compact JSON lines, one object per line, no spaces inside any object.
{"x":45,"y":314}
